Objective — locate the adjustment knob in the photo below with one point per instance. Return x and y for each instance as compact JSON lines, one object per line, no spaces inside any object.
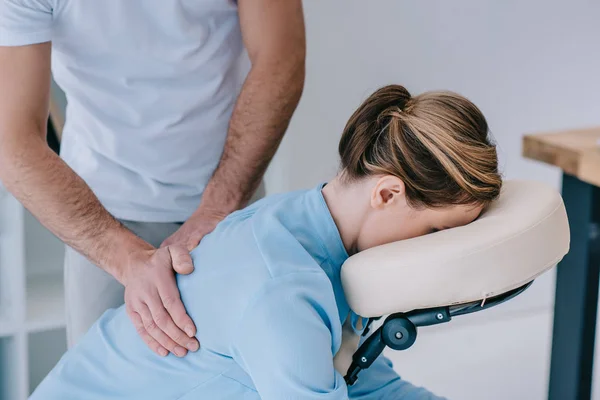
{"x":399,"y":333}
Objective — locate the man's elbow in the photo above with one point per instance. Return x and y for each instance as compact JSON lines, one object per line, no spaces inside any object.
{"x":286,"y":67}
{"x":296,"y":73}
{"x":295,"y":84}
{"x":17,"y":146}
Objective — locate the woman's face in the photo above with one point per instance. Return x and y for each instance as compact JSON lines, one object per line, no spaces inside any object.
{"x":391,"y":219}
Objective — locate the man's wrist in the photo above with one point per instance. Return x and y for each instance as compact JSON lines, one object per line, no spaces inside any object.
{"x":220,"y":204}
{"x":128,"y":250}
{"x":218,"y":213}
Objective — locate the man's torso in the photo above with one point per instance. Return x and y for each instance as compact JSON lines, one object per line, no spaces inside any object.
{"x":150,"y":86}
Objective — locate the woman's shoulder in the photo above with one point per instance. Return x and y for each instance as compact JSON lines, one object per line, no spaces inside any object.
{"x":283,"y":246}
{"x":273,"y":201}
{"x":253,"y":246}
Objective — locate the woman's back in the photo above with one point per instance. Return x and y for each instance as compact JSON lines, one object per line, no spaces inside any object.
{"x":283,"y":247}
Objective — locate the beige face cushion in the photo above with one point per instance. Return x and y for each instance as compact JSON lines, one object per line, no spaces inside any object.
{"x":521,"y":235}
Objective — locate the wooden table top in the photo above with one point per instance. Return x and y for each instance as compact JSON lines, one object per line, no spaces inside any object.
{"x":576,"y":152}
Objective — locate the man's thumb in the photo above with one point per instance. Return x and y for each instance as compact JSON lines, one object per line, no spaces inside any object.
{"x":192,"y":244}
{"x":181,"y":259}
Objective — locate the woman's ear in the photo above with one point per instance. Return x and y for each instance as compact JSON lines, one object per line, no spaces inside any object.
{"x":387,"y":190}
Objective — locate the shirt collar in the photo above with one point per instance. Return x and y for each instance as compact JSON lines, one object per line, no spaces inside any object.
{"x":326,"y":230}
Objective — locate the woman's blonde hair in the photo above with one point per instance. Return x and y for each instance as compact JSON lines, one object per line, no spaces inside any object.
{"x":437,"y":143}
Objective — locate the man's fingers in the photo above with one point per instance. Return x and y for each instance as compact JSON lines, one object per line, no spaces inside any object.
{"x":149,"y":340}
{"x":165,"y":322}
{"x":157,"y":333}
{"x":172,"y":302}
{"x":160,"y":316}
{"x":181,"y":259}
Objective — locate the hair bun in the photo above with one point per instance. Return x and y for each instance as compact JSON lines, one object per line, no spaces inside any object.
{"x":393,"y":96}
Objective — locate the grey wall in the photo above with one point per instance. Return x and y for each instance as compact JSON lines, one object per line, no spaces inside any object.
{"x":58,"y":96}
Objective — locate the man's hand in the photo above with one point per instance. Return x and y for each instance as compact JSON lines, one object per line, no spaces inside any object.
{"x":189,"y":235}
{"x":153,"y":303}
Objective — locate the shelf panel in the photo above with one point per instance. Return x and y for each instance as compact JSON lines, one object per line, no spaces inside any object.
{"x":44,"y":252}
{"x":10,"y":382}
{"x":45,"y":350}
{"x":45,"y":303}
{"x":12,"y":274}
{"x":8,"y":327}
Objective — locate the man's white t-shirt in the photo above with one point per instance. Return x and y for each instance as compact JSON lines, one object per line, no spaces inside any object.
{"x":150,"y":86}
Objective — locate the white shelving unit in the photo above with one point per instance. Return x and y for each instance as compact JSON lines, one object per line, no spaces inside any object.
{"x":32,"y":317}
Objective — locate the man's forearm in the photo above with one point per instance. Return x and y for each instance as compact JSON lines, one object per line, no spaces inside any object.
{"x":259,"y":120}
{"x":64,"y":203}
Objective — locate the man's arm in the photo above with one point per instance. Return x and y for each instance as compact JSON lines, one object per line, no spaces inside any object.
{"x":63,"y":202}
{"x":273,"y":33}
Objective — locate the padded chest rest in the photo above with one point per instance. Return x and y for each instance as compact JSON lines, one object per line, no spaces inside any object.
{"x":430,"y":279}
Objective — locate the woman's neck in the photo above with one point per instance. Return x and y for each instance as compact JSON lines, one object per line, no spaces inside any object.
{"x":347,"y":204}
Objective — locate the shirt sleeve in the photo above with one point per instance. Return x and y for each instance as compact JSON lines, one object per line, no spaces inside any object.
{"x":381,"y":382}
{"x":24,"y":22}
{"x":285,"y":340}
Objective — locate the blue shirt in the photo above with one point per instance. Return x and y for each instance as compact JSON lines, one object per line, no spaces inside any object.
{"x":151,"y":86}
{"x":267,"y":300}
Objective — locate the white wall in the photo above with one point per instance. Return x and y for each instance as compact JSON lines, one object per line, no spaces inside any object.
{"x":529,"y":65}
